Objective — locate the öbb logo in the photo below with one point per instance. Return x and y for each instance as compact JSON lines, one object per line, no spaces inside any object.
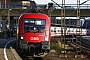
{"x":34,"y":38}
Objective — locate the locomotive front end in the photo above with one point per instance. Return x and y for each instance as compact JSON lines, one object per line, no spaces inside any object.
{"x":34,"y":33}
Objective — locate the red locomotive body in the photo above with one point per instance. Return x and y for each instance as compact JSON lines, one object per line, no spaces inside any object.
{"x":33,"y":33}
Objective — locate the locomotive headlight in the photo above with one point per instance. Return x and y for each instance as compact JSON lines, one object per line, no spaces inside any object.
{"x":22,"y":36}
{"x":46,"y":37}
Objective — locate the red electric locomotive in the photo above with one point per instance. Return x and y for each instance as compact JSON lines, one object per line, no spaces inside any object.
{"x":33,"y":33}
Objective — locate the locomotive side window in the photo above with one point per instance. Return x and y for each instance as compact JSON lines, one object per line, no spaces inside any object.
{"x":34,"y":25}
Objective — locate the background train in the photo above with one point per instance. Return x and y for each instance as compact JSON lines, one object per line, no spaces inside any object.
{"x":33,"y":34}
{"x":71,"y":27}
{"x":56,"y":31}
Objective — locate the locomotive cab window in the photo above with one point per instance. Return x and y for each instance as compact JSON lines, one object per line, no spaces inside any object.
{"x":34,"y":25}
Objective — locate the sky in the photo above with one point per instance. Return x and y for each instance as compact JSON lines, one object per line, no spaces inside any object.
{"x":60,"y":1}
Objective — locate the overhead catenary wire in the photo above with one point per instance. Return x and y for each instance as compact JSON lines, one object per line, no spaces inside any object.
{"x":74,"y":10}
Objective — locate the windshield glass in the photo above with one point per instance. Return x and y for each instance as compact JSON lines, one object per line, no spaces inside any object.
{"x":34,"y":25}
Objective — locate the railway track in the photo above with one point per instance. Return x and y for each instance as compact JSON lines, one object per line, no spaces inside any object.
{"x":85,"y":50}
{"x":83,"y":46}
{"x":70,"y":55}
